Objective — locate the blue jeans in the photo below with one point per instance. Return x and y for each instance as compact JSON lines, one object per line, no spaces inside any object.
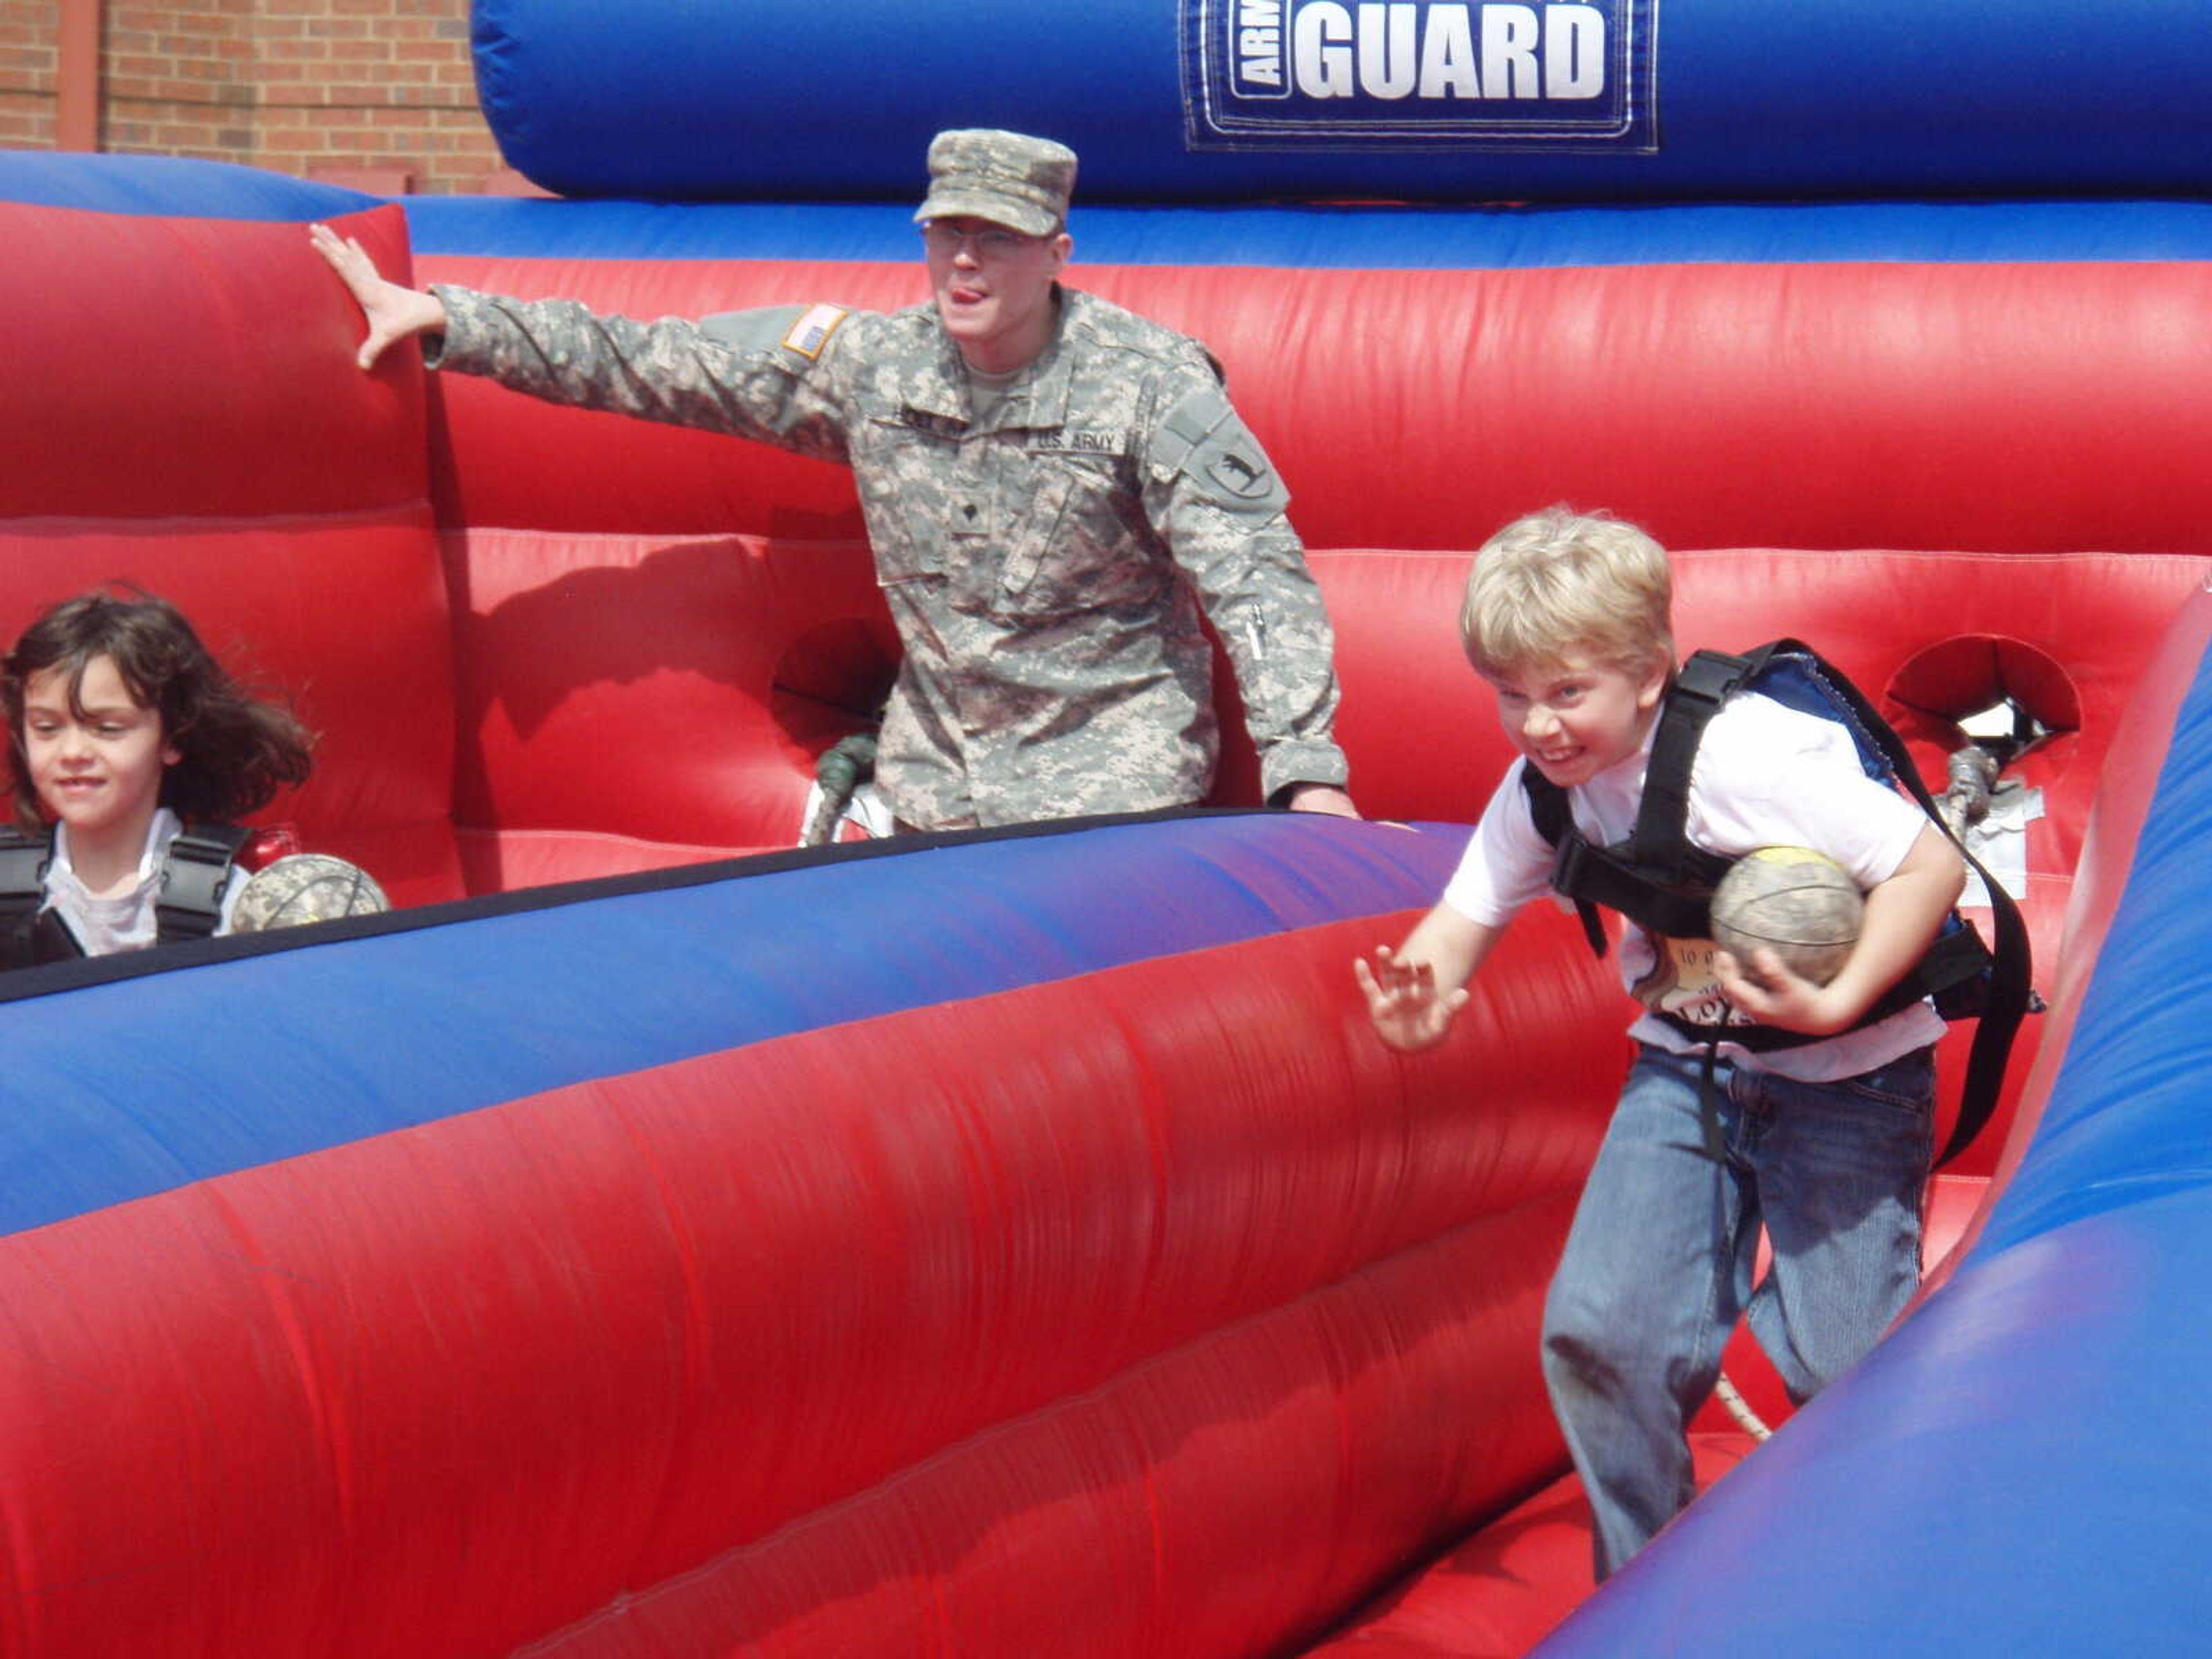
{"x":1658,"y":1263}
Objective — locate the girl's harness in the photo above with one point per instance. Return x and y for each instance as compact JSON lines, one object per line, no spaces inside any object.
{"x":195,"y":870}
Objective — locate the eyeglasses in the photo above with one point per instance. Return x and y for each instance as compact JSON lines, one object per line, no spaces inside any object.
{"x":992,"y":243}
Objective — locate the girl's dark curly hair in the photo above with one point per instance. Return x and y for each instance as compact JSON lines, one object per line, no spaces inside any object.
{"x":235,"y":751}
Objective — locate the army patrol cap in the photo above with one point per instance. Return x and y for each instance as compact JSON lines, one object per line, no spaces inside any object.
{"x":1008,"y":178}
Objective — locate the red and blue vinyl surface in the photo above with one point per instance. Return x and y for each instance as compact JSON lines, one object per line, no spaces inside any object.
{"x":1019,"y":1245}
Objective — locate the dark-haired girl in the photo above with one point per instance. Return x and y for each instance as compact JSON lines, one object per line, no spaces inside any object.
{"x":132,"y":751}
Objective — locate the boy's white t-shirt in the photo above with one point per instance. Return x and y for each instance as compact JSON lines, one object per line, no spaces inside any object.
{"x":1765,"y":775}
{"x":125,"y":921}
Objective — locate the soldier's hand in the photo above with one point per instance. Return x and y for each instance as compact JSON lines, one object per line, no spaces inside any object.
{"x":1321,"y":797}
{"x":392,"y":313}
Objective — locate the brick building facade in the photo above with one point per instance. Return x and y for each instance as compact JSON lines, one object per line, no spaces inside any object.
{"x":377,"y":94}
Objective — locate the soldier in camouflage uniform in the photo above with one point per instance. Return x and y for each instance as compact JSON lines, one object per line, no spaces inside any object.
{"x":1052,"y":486}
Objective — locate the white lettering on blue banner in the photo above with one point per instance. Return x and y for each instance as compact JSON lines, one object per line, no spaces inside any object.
{"x":1423,"y":74}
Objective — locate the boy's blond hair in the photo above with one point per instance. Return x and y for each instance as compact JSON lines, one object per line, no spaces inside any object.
{"x":1560,"y":583}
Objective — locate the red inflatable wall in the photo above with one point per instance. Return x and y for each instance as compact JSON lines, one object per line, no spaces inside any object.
{"x":1914,"y":406}
{"x":1940,"y":410}
{"x":184,"y":414}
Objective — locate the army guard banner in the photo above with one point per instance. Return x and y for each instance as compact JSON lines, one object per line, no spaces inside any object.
{"x":1419,"y":74}
{"x":1216,"y":101}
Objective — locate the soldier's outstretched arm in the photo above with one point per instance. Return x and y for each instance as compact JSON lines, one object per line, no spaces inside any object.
{"x":393,"y":313}
{"x":744,"y":373}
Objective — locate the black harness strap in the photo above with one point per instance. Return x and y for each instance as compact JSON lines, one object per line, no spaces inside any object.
{"x":1548,"y":805}
{"x":1661,"y":841}
{"x":29,"y":935}
{"x":194,"y":873}
{"x":22,"y":872}
{"x":195,"y":870}
{"x":2010,"y":986}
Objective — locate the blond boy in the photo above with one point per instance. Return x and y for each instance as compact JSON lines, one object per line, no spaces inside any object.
{"x":1826,"y":1143}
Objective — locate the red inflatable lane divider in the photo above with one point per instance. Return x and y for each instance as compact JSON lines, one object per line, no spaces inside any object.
{"x":1089,"y":1268}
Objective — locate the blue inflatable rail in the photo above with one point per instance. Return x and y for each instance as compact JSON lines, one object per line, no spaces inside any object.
{"x":416,"y":1021}
{"x":1308,"y":237}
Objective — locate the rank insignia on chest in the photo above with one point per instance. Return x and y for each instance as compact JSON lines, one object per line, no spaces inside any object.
{"x":937,"y":426}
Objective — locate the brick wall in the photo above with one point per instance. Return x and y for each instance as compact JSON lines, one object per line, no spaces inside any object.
{"x":379,"y":93}
{"x":26,"y":75}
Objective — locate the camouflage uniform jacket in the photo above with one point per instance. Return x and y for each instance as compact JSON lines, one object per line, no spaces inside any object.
{"x":1043,"y":563}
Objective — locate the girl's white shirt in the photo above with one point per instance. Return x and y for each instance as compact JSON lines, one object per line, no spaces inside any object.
{"x":124,"y":920}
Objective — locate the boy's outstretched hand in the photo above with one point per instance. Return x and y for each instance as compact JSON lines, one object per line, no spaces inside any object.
{"x":1408,"y":1011}
{"x":392,"y":313}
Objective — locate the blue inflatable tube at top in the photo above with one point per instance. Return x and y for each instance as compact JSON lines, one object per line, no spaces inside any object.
{"x":166,"y":187}
{"x":1212,"y":100}
{"x":1300,"y":237}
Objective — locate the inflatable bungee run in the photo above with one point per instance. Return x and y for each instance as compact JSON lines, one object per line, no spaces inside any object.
{"x":657,"y":1238}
